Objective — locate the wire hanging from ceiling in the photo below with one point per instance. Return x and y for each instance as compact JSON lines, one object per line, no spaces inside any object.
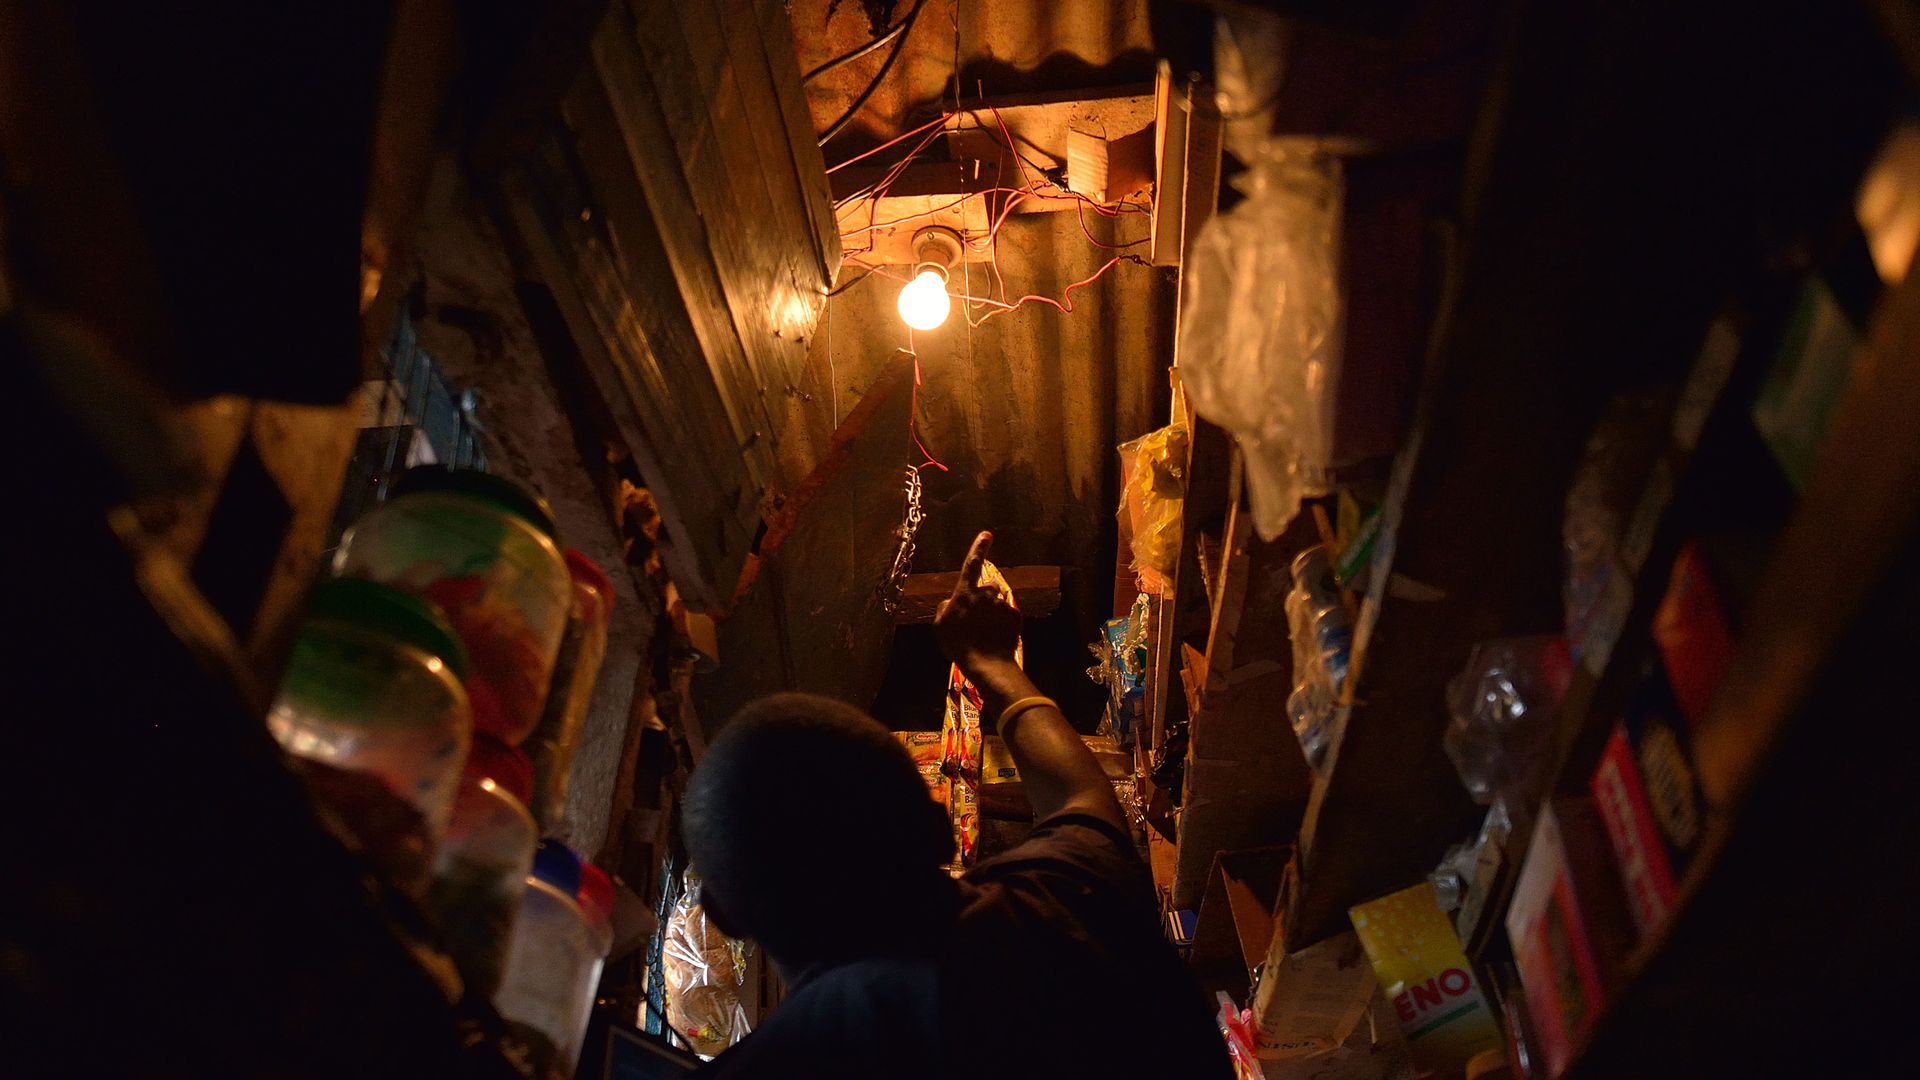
{"x":893,"y":57}
{"x":851,"y":55}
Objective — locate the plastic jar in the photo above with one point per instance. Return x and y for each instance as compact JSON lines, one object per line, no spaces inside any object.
{"x":374,"y":686}
{"x":482,"y":867}
{"x":482,"y":548}
{"x":552,"y":952}
{"x":595,"y":897}
{"x":554,"y":742}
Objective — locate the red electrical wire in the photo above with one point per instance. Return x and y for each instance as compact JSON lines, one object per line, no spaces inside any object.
{"x":913,"y":408}
{"x":1081,"y":215}
{"x":1064,"y":304}
{"x":896,"y":139}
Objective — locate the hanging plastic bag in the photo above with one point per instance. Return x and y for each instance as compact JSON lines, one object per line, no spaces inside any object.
{"x":704,"y":971}
{"x":1156,"y":489}
{"x":1260,"y":326}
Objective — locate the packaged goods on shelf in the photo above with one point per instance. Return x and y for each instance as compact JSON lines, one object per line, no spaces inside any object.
{"x":1606,"y":488}
{"x":1662,"y":749}
{"x":704,"y":971}
{"x":1646,"y":873}
{"x":1568,"y":927}
{"x":1121,"y":666}
{"x":923,"y":746}
{"x":1424,"y":972}
{"x":1808,"y":376}
{"x":1692,"y":630}
{"x":1155,"y":467}
{"x":1321,"y":628}
{"x":1180,"y":924}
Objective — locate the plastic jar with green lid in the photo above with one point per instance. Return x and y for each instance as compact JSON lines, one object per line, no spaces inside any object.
{"x":374,"y":686}
{"x":483,"y":549}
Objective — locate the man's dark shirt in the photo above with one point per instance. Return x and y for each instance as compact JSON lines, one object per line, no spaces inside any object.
{"x":1054,"y":967}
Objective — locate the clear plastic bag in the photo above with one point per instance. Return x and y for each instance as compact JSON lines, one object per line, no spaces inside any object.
{"x":1260,"y":325}
{"x":1156,"y":488}
{"x":704,"y":972}
{"x":1502,"y":706}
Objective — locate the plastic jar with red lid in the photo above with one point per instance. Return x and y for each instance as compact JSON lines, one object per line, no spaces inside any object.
{"x":483,"y":549}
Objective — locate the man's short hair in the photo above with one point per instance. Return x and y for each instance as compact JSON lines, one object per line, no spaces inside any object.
{"x":811,"y":828}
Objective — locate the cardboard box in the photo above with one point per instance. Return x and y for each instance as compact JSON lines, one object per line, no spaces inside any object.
{"x":1568,"y":926}
{"x":1310,"y":1001}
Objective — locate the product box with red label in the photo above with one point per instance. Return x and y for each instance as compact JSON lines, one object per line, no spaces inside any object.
{"x":1568,"y":926}
{"x":1646,"y":871}
{"x":1695,"y":638}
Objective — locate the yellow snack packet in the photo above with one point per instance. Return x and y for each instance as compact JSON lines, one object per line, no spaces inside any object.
{"x":1421,"y":968}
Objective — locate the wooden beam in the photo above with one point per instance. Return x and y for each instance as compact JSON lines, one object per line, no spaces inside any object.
{"x":1036,"y":592}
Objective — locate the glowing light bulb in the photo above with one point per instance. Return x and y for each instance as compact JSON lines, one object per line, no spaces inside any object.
{"x":924,"y":303}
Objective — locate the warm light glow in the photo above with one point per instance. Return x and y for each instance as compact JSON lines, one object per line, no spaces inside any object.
{"x":924,"y":303}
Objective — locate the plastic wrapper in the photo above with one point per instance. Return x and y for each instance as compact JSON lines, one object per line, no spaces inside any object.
{"x":1260,"y":325}
{"x":1501,"y":708}
{"x":1606,"y":485}
{"x":704,"y":972}
{"x":1470,"y":864}
{"x":1155,"y":465}
{"x":961,"y":739}
{"x":1121,"y":666}
{"x":1322,"y":633}
{"x":1243,"y":1039}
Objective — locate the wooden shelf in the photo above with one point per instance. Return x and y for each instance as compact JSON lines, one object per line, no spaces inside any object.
{"x":1642,"y":555}
{"x":1598,"y":235}
{"x":1794,"y":876}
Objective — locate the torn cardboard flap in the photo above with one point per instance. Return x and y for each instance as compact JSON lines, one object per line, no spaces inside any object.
{"x":1309,"y":1002}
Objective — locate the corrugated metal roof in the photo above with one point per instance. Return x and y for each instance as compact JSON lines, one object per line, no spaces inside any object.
{"x":1004,"y":47}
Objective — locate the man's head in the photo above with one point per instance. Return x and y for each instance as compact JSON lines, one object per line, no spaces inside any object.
{"x":813,"y":831}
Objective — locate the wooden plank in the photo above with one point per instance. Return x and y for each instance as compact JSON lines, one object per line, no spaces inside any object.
{"x":682,"y":261}
{"x":1039,"y":123}
{"x":813,"y":621}
{"x":665,"y":421}
{"x":724,"y":152}
{"x":839,"y":453}
{"x":776,"y":36}
{"x":1036,"y":592}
